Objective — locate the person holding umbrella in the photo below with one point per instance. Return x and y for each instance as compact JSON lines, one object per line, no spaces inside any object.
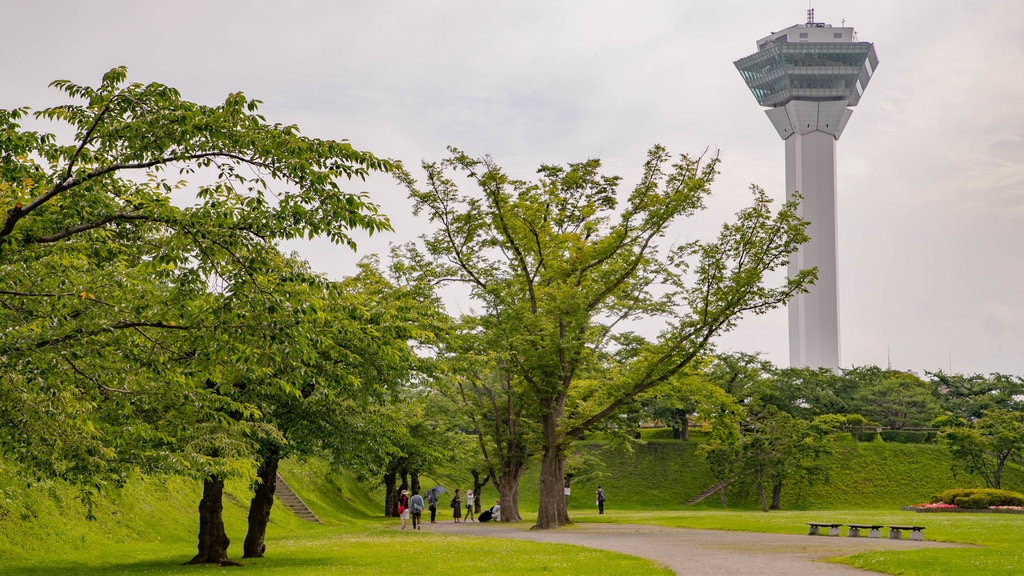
{"x":432,"y":502}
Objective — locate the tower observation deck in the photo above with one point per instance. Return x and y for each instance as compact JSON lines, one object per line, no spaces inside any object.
{"x":808,"y":76}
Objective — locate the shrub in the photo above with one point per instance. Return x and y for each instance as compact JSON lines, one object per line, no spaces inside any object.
{"x":949,"y":421}
{"x":656,"y":433}
{"x":908,"y":436}
{"x":867,"y":436}
{"x":979,"y":498}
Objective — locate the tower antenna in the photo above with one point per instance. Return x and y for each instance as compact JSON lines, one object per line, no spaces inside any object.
{"x":810,"y":15}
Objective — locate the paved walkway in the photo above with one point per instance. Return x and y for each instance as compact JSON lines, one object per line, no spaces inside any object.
{"x":690,"y":552}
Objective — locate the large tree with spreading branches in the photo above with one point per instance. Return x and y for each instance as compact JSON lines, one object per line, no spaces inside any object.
{"x":562,"y":265}
{"x":122,"y":329}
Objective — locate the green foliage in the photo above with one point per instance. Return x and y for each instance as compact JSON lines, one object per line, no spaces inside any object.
{"x":557,"y":265}
{"x":979,"y":498}
{"x":657,"y":434}
{"x":909,"y":436}
{"x":145,"y":319}
{"x":894,"y":399}
{"x":968,"y":397}
{"x":987,"y":445}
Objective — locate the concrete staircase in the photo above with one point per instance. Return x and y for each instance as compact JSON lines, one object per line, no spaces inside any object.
{"x":290,"y":499}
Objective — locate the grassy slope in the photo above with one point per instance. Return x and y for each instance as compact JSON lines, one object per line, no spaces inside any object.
{"x":155,"y":520}
{"x":149,"y":528}
{"x":867,"y":475}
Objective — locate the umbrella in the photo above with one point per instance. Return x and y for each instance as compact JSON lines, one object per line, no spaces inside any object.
{"x":438,"y":489}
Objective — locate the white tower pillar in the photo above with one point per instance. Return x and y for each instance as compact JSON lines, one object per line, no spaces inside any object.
{"x":814,"y":316}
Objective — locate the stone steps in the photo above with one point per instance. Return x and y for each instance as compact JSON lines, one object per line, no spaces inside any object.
{"x":291,"y":500}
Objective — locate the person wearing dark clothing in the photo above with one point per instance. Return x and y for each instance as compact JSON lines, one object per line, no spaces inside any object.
{"x":493,"y":513}
{"x":432,"y":503}
{"x":457,"y":506}
{"x":600,"y":500}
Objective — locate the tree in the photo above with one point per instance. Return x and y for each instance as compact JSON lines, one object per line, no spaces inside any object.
{"x":769,"y":448}
{"x":686,"y":395}
{"x":482,"y":387}
{"x":560,"y":270}
{"x":807,"y":392}
{"x":113,"y":276}
{"x":968,"y":397}
{"x":335,"y":355}
{"x":895,"y":399}
{"x":987,"y":445}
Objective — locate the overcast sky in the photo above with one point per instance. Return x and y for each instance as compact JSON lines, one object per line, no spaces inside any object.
{"x":930,"y":167}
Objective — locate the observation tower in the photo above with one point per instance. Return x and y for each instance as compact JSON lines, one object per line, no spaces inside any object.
{"x":808,"y":76}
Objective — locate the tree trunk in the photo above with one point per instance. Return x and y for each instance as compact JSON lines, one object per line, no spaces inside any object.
{"x":776,"y":496}
{"x":259,"y":508}
{"x":721,"y":494}
{"x":508,"y":492}
{"x":553,"y":509}
{"x":997,"y":473}
{"x":686,"y":428}
{"x":390,"y":495}
{"x":404,"y":485}
{"x":478,"y":486}
{"x":213,"y":540}
{"x":764,"y":499}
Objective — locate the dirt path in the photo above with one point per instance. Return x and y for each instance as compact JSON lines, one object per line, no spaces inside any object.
{"x":690,"y":552}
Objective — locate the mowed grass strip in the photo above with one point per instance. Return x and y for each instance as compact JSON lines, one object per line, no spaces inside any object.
{"x":360,"y":553}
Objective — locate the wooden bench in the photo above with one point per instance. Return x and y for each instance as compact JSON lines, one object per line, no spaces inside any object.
{"x":914,"y":532}
{"x":874,"y":530}
{"x":814,"y":528}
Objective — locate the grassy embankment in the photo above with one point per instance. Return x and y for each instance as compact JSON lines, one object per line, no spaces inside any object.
{"x":149,"y":528}
{"x":869,"y":483}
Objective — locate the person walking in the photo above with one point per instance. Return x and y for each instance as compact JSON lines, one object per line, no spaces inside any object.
{"x":470,"y":499}
{"x":416,"y":506}
{"x":432,"y":501}
{"x":403,"y":507}
{"x":457,"y":506}
{"x":600,"y":500}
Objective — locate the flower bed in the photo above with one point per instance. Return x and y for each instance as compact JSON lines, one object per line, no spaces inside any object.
{"x":943,"y":507}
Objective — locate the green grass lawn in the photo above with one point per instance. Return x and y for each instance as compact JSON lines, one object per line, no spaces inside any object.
{"x":150,"y":526}
{"x":359,"y":551}
{"x":375,"y":547}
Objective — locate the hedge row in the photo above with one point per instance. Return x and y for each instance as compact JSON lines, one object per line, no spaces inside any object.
{"x":979,"y":498}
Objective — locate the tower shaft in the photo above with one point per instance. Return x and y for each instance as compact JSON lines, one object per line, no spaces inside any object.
{"x":814,"y":316}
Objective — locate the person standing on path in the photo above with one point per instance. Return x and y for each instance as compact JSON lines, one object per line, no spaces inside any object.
{"x":416,"y":506}
{"x":457,"y":506}
{"x":403,"y":507}
{"x":432,"y":501}
{"x":600,"y":500}
{"x":469,"y":505}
